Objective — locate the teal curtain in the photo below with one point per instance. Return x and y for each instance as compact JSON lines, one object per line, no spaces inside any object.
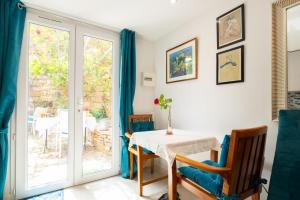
{"x":127,"y":90}
{"x":285,"y":178}
{"x":12,"y":18}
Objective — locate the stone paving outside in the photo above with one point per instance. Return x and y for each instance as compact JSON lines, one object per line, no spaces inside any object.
{"x":49,"y":166}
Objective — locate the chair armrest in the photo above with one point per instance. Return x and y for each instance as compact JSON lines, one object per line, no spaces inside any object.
{"x":223,"y":171}
{"x":128,"y":135}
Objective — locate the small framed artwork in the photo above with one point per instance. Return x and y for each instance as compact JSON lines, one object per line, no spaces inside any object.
{"x":231,"y":27}
{"x":230,"y":66}
{"x":182,"y":62}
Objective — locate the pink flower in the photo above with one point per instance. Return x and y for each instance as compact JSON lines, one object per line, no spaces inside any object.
{"x":156,"y":101}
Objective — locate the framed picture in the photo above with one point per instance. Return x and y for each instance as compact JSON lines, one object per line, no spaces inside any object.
{"x":182,"y":62}
{"x":231,"y":27}
{"x":230,"y":66}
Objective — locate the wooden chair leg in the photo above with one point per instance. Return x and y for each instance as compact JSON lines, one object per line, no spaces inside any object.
{"x":140,"y":169}
{"x":256,"y":196}
{"x":152,"y":165}
{"x":131,"y":164}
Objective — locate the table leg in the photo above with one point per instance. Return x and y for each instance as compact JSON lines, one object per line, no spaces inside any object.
{"x":60,"y":144}
{"x":46,"y":141}
{"x":172,"y":181}
{"x":84,"y":137}
{"x":140,"y":169}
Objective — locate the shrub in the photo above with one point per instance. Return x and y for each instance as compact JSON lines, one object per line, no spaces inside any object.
{"x":99,"y":113}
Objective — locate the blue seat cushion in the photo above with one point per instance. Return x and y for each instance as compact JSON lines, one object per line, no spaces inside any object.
{"x":209,"y":181}
{"x":205,"y":179}
{"x":140,"y":127}
{"x":224,"y":152}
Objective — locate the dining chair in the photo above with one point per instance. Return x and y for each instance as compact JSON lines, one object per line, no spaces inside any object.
{"x":237,"y":175}
{"x":139,"y":123}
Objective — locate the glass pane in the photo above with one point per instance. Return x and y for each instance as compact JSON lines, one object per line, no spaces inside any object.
{"x":48,"y":105}
{"x":97,"y":97}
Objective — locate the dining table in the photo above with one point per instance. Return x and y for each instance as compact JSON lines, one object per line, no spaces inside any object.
{"x":180,"y":142}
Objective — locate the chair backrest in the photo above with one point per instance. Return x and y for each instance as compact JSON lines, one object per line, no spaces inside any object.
{"x":138,"y":118}
{"x":246,"y":159}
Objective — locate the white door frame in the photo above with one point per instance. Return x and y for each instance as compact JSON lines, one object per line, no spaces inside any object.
{"x":21,"y":108}
{"x":98,"y":33}
{"x":74,"y":172}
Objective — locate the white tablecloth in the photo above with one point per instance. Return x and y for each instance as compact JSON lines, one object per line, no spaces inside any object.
{"x":43,"y":124}
{"x":181,"y":142}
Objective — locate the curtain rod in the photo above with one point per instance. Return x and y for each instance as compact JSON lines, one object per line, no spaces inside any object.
{"x":22,"y":5}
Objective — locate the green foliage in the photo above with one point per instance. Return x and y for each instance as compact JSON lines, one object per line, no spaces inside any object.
{"x":49,"y":58}
{"x":164,"y":103}
{"x":99,"y":113}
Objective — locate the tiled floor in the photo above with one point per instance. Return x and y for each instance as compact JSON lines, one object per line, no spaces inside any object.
{"x":117,"y":188}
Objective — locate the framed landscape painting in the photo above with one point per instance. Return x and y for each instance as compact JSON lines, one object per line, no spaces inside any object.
{"x":230,"y":66}
{"x":231,"y":27}
{"x":182,"y":62}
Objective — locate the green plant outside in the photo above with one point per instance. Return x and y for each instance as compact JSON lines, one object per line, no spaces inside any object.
{"x":99,"y":113}
{"x":49,"y":58}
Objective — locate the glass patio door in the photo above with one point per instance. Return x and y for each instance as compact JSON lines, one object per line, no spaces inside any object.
{"x":45,"y":107}
{"x":65,"y":106}
{"x":96,"y":153}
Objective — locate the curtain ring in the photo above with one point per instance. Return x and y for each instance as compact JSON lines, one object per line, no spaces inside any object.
{"x":21,"y":5}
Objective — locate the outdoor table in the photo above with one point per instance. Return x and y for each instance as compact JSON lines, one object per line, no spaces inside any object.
{"x":43,"y":125}
{"x":168,"y":146}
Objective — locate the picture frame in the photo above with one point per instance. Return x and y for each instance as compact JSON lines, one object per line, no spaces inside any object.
{"x":231,"y":27}
{"x":182,"y":62}
{"x":230,"y":66}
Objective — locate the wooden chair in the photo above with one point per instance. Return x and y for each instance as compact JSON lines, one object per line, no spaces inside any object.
{"x":141,"y":154}
{"x":242,"y":172}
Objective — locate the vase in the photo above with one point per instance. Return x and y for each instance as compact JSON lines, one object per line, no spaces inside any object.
{"x":169,"y":129}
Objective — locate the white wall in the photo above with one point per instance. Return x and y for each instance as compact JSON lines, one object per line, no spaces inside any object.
{"x":144,"y":96}
{"x":294,"y":71}
{"x":203,"y":106}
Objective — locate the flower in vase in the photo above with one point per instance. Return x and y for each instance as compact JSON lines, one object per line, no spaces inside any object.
{"x":164,"y":103}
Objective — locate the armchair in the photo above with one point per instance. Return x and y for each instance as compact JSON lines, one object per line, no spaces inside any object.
{"x":238,"y":173}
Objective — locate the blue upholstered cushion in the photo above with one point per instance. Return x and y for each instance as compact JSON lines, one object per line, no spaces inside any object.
{"x":205,"y":179}
{"x":209,"y":181}
{"x":224,"y":152}
{"x":140,"y":127}
{"x":223,"y":157}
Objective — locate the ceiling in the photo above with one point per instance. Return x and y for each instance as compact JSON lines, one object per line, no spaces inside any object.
{"x":151,"y":19}
{"x":293,"y":28}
